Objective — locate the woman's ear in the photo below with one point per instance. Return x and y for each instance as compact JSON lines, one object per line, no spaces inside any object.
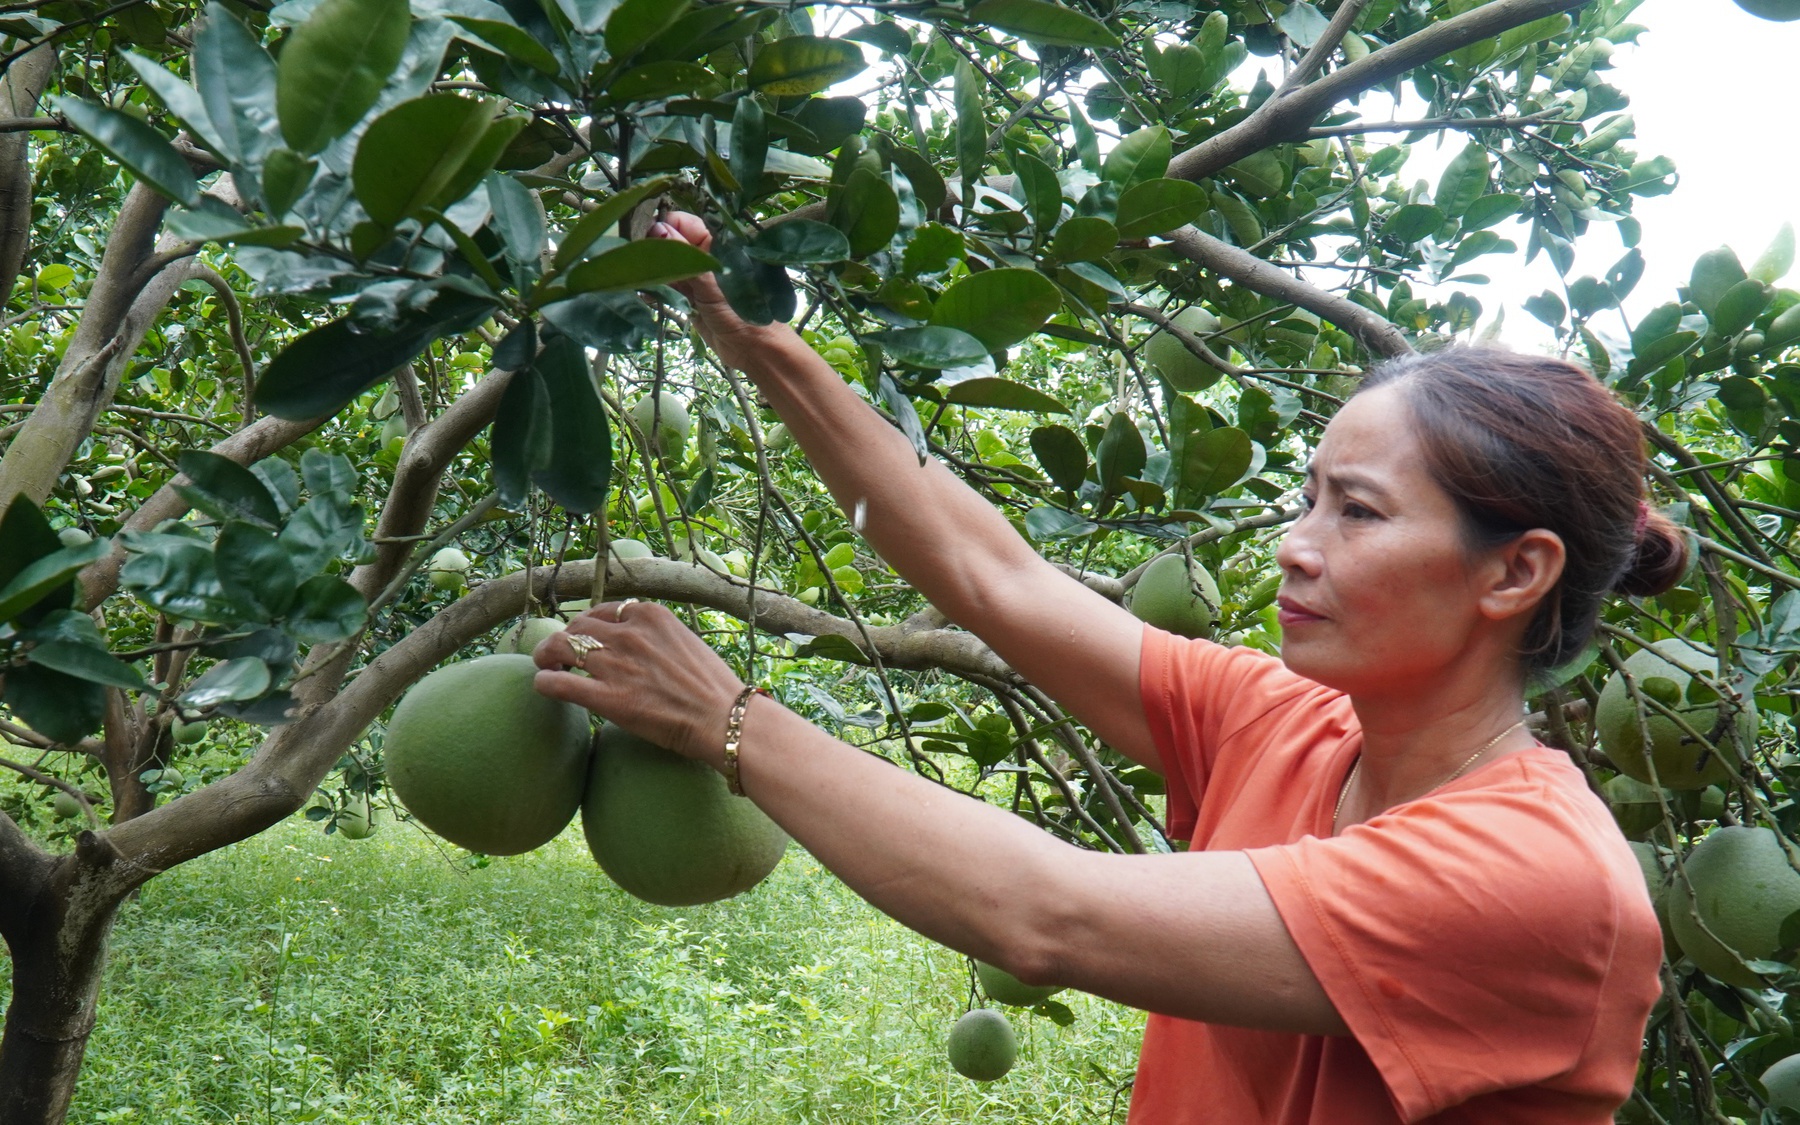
{"x":1528,"y":569}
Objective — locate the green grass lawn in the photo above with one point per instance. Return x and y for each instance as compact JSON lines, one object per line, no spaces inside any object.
{"x":300,"y":977}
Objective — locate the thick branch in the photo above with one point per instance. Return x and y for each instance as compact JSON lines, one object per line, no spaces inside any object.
{"x":1245,"y":268}
{"x":1342,"y":21}
{"x":295,"y":758}
{"x":23,"y":867}
{"x":20,"y":87}
{"x":1289,"y":114}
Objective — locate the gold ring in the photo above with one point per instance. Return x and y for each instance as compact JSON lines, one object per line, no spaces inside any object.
{"x":583,"y":645}
{"x":619,"y":612}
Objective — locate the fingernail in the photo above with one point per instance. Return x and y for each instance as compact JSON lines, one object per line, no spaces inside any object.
{"x":661,"y":230}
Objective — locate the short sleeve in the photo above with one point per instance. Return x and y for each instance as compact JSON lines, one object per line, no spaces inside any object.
{"x":1196,"y":694}
{"x":1466,"y":939}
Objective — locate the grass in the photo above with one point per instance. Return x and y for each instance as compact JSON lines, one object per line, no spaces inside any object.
{"x":300,"y":977}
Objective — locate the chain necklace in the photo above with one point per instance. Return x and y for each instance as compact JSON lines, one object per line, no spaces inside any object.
{"x":1357,"y":765}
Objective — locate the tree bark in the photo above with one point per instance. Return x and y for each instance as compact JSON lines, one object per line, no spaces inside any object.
{"x":20,"y":88}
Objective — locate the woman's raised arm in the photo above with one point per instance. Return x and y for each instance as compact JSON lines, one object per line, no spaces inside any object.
{"x":939,"y":534}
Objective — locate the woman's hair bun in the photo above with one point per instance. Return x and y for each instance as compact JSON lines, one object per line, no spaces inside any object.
{"x":1661,"y":560}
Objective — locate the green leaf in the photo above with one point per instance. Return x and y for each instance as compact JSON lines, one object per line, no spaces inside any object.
{"x":1547,"y":307}
{"x":1302,"y":23}
{"x":1002,"y":394}
{"x":60,"y":707}
{"x":520,"y":445}
{"x":411,"y":153}
{"x":587,"y":16}
{"x":226,"y":490}
{"x":1778,"y":259}
{"x":757,"y":295}
{"x":327,"y":609}
{"x":971,"y":129}
{"x":749,"y":143}
{"x":804,"y":64}
{"x":1045,"y":23}
{"x":635,"y":22}
{"x":866,"y":209}
{"x":1715,"y":272}
{"x":998,"y":307}
{"x":243,"y":677}
{"x":1053,"y":523}
{"x":1087,"y":142}
{"x":1084,"y":238}
{"x":175,"y":575}
{"x":237,"y":78}
{"x":1064,"y":458}
{"x":580,"y":464}
{"x":146,"y":153}
{"x":1055,"y":1011}
{"x":39,"y":580}
{"x":512,"y":41}
{"x":285,"y":177}
{"x":254,"y":570}
{"x":1741,"y":305}
{"x":932,"y":348}
{"x":26,"y":537}
{"x":800,"y":242}
{"x":1465,"y":180}
{"x":1261,"y":174}
{"x":180,"y":98}
{"x":641,"y":265}
{"x":657,"y":80}
{"x":333,"y":68}
{"x":1491,"y":209}
{"x":1413,"y":222}
{"x":85,"y":662}
{"x":931,"y":249}
{"x":328,"y":472}
{"x":519,"y":221}
{"x":1215,"y":460}
{"x":596,"y":222}
{"x":1042,"y":193}
{"x":318,"y":373}
{"x":1154,"y":206}
{"x":1121,"y":455}
{"x":1143,"y":155}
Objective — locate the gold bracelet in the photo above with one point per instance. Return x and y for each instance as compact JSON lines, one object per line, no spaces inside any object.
{"x":734,"y":735}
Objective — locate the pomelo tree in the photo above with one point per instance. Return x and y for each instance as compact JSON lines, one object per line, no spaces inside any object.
{"x":299,"y":298}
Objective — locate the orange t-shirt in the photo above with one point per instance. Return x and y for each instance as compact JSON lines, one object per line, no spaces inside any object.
{"x":1490,"y":945}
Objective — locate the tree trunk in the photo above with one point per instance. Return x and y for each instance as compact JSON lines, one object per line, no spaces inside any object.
{"x":58,"y":948}
{"x":20,"y":88}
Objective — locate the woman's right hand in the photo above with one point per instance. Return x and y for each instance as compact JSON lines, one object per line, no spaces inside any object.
{"x":737,"y":343}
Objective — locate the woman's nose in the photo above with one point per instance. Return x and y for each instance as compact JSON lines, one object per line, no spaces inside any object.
{"x":1298,"y":551}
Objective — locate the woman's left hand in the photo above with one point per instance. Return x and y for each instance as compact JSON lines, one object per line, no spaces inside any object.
{"x":652,"y":676}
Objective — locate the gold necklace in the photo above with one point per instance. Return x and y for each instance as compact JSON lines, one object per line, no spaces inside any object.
{"x":1350,"y":779}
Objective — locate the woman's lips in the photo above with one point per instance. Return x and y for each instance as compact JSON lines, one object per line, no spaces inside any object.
{"x":1291,"y":613}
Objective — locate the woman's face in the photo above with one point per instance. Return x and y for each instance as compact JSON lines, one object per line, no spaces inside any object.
{"x":1379,"y":591}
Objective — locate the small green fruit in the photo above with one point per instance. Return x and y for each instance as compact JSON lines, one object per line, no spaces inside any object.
{"x":1781,"y":11}
{"x":663,"y":420}
{"x":357,"y":821}
{"x":629,"y":549}
{"x":73,"y":537}
{"x":1184,"y":370}
{"x":1164,"y":597}
{"x":1635,"y":806}
{"x":528,"y":634}
{"x":65,"y":806}
{"x":186,"y":733}
{"x":667,"y":830}
{"x":983,"y":1046}
{"x":447,"y":568}
{"x":1004,"y":988}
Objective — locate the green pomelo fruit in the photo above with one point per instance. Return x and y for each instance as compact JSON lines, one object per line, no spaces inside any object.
{"x":73,"y":537}
{"x":65,"y":806}
{"x":1677,"y":757}
{"x":777,"y":437}
{"x":1743,"y":888}
{"x":1781,"y":11}
{"x":1163,"y":597}
{"x":188,"y":733}
{"x":629,"y":549}
{"x":484,"y":760}
{"x":1004,"y":988}
{"x":1634,"y":805}
{"x":983,"y":1046}
{"x":447,"y":568}
{"x":1782,"y":1081}
{"x":527,"y":634}
{"x":1184,"y":370}
{"x":668,"y":416}
{"x":356,"y":822}
{"x":689,"y":553}
{"x":667,"y":830}
{"x":394,"y":429}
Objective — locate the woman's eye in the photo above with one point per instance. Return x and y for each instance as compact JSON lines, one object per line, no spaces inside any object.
{"x":1355,"y":511}
{"x":1307,"y":502}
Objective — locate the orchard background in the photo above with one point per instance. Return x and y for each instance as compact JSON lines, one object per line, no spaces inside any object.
{"x":295,"y":297}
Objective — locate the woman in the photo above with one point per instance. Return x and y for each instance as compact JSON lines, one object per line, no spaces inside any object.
{"x":1397,"y":906}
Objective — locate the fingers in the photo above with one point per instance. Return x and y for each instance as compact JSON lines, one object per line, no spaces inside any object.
{"x":571,"y":688}
{"x":689,"y":228}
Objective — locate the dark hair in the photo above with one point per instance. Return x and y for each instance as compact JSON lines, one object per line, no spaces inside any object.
{"x":1522,"y":442}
